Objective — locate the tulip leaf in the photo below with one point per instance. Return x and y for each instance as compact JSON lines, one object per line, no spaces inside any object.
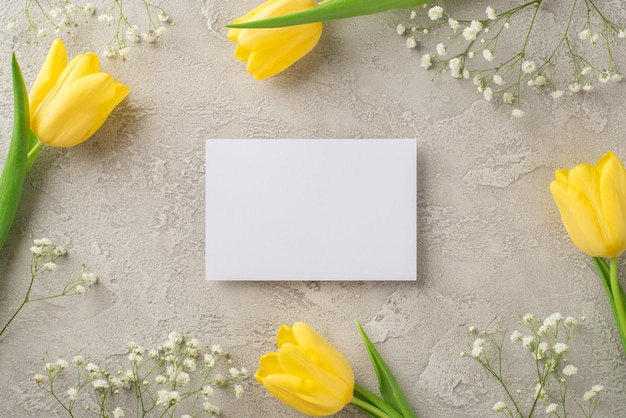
{"x":330,"y":10}
{"x":389,"y":388}
{"x":14,"y":171}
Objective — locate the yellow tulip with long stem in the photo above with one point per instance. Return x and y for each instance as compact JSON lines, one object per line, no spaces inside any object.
{"x":310,"y":375}
{"x":67,"y":104}
{"x":277,"y":33}
{"x":592,"y":203}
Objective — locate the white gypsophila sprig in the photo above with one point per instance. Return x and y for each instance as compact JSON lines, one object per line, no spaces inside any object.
{"x":38,"y":19}
{"x":572,"y":60}
{"x":44,"y":256}
{"x":178,"y":375}
{"x":547,"y":341}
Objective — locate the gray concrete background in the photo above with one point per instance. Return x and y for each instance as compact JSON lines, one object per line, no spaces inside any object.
{"x":130,"y":204}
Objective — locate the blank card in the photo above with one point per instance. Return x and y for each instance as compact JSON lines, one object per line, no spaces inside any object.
{"x":311,"y":209}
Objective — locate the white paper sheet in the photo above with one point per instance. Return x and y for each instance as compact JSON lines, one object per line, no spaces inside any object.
{"x":311,"y":209}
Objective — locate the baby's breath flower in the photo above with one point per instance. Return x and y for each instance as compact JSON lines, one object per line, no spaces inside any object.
{"x":491,"y":13}
{"x":72,"y":394}
{"x":411,"y":42}
{"x":435,"y":13}
{"x":478,"y":347}
{"x":529,"y":66}
{"x":426,"y":62}
{"x":589,"y":395}
{"x":118,"y":413}
{"x":400,"y":29}
{"x":454,"y":24}
{"x":559,"y":348}
{"x":597,"y":388}
{"x":441,"y":49}
{"x":551,"y":409}
{"x":488,"y":55}
{"x":39,"y":378}
{"x":570,"y":370}
{"x":499,"y":406}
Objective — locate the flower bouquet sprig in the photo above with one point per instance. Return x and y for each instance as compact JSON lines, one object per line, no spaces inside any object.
{"x":547,"y":342}
{"x":472,"y":48}
{"x":592,"y":203}
{"x":178,"y":376}
{"x":60,"y":16}
{"x":313,"y":377}
{"x":44,"y":255}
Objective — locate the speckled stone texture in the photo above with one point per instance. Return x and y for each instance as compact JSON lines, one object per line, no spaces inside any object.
{"x":130,"y":204}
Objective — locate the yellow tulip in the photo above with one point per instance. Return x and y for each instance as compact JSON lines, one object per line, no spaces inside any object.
{"x":270,"y":51}
{"x":69,"y":102}
{"x":592,"y":203}
{"x":307,"y":373}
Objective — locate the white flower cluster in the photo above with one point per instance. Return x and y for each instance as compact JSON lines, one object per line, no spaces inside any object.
{"x":548,"y":341}
{"x":466,"y":39}
{"x":164,"y":380}
{"x":60,"y":16}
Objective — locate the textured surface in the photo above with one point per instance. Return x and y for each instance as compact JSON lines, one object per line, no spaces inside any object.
{"x":130,"y":204}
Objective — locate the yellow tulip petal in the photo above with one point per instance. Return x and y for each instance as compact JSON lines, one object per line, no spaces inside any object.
{"x":305,"y":396}
{"x":294,"y":361}
{"x":579,"y":218}
{"x":613,"y":194}
{"x":322,"y":352}
{"x":269,"y":365}
{"x":53,"y":66}
{"x":78,"y":110}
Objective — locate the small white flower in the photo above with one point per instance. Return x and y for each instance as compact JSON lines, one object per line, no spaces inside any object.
{"x":50,"y":266}
{"x":517,"y":113}
{"x":559,"y":348}
{"x":540,"y":81}
{"x":36,"y":250}
{"x":497,"y":78}
{"x":621,"y":34}
{"x":516,"y":336}
{"x":499,"y":406}
{"x":92,"y":368}
{"x":588,"y":87}
{"x":586,"y":70}
{"x":506,"y":25}
{"x":441,"y":49}
{"x":219,"y":379}
{"x":160,"y":379}
{"x":118,"y":413}
{"x":148,"y":37}
{"x":89,"y":9}
{"x":210,"y":408}
{"x":543,"y":330}
{"x":570,"y":321}
{"x":238,"y":391}
{"x":528,"y":318}
{"x":488,"y":93}
{"x":542,"y":347}
{"x":469,"y":34}
{"x":584,"y":34}
{"x":491,"y":13}
{"x":411,"y":42}
{"x":477,"y":347}
{"x":61,"y":364}
{"x":72,"y":394}
{"x":551,"y":409}
{"x":162,"y":16}
{"x":528,"y":67}
{"x":589,"y":395}
{"x":400,"y":29}
{"x":540,"y":391}
{"x":124,"y":51}
{"x":528,"y":340}
{"x":78,"y":360}
{"x":435,"y":13}
{"x":39,"y":378}
{"x":182,"y":379}
{"x":100,"y":384}
{"x":488,"y":55}
{"x":593,"y":39}
{"x":454,"y":24}
{"x":71,"y":9}
{"x":616,"y":77}
{"x":160,"y":31}
{"x":209,"y":360}
{"x":507,"y":97}
{"x":413,"y":14}
{"x":604,"y":77}
{"x":570,"y":370}
{"x":105,"y":18}
{"x":597,"y":388}
{"x":207,"y":391}
{"x":109,"y":52}
{"x":455,"y":67}
{"x":80,"y":290}
{"x":55,"y":13}
{"x":471,"y":54}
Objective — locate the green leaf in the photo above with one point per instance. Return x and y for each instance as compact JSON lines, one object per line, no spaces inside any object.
{"x":14,"y":171}
{"x":389,"y":388}
{"x":605,"y":275}
{"x":371,"y":404}
{"x":330,"y":10}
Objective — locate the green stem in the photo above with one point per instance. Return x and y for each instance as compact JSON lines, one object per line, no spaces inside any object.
{"x":33,"y":152}
{"x":369,"y":409}
{"x":365,"y":395}
{"x":24,"y":302}
{"x":605,"y":276}
{"x":616,"y":291}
